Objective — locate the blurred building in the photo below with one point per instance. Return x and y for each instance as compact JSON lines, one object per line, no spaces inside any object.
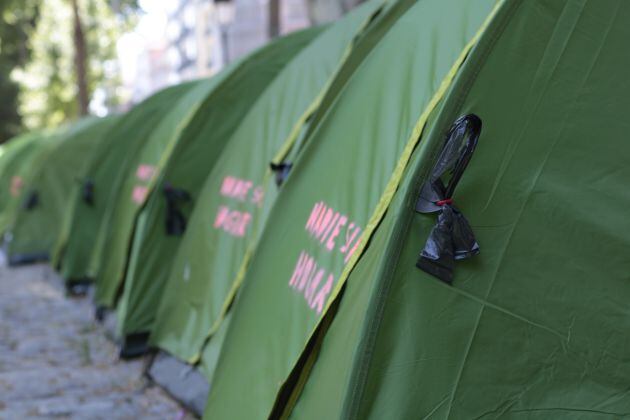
{"x":185,"y":39}
{"x":205,"y":35}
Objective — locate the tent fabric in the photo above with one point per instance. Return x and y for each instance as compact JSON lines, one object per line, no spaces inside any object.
{"x":304,"y":290}
{"x":347,"y":329}
{"x":137,"y":185}
{"x":78,"y":252}
{"x":151,"y":159}
{"x":34,"y":230}
{"x":26,"y":179}
{"x":9,"y":159}
{"x":531,"y":326}
{"x":314,"y":229}
{"x":364,"y":43}
{"x":239,"y":191}
{"x":192,"y":159}
{"x":23,"y":174}
{"x":17,"y":157}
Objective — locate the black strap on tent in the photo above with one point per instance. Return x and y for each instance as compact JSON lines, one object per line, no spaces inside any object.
{"x":281,"y":170}
{"x":175,"y":220}
{"x":87,"y":192}
{"x":451,"y":238}
{"x":31,"y":200}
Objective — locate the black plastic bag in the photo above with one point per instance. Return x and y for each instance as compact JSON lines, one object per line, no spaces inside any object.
{"x":451,"y":238}
{"x":281,"y":170}
{"x":87,"y":192}
{"x":175,"y":220}
{"x":31,"y":200}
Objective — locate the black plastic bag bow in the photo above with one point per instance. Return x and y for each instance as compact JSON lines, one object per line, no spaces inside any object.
{"x":281,"y":170}
{"x":87,"y":192}
{"x":451,"y":238}
{"x":175,"y":220}
{"x":31,"y":200}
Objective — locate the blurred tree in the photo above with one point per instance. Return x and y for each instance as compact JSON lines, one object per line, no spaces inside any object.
{"x":73,"y":57}
{"x":17,"y":19}
{"x":80,"y":58}
{"x":10,"y":119}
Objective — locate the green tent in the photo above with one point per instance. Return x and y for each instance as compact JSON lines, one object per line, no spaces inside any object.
{"x":78,"y":251}
{"x":533,"y":326}
{"x":325,"y":206}
{"x":16,"y":159}
{"x":240,"y":189}
{"x":163,"y":219}
{"x":150,"y":162}
{"x":46,"y":195}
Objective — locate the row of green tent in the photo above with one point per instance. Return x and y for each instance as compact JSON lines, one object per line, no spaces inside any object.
{"x":288,"y":235}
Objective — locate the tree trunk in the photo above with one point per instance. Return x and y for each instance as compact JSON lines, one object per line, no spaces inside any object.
{"x":274,"y":18}
{"x":80,"y":60}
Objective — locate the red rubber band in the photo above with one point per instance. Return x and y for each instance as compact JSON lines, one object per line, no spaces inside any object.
{"x":444,"y":202}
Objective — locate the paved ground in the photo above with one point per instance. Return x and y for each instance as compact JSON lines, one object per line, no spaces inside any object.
{"x":55,"y":362}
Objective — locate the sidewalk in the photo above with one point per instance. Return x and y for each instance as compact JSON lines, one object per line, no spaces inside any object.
{"x":55,"y":361}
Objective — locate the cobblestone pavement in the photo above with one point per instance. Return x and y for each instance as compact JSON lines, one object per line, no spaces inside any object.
{"x":55,"y":361}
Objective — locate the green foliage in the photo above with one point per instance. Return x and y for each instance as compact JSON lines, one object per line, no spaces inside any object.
{"x":17,"y":20}
{"x":37,"y":70}
{"x":10,"y":120}
{"x":49,"y":80}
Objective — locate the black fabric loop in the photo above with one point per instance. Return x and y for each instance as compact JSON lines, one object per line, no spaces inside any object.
{"x":175,"y":219}
{"x":452,"y":237}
